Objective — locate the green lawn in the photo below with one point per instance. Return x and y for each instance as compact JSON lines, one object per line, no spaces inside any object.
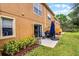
{"x":68,"y":45}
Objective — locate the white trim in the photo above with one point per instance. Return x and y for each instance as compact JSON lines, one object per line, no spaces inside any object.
{"x":7,"y":37}
{"x":0,"y":28}
{"x":14,"y":28}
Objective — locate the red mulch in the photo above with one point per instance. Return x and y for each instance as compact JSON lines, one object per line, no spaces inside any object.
{"x":24,"y":51}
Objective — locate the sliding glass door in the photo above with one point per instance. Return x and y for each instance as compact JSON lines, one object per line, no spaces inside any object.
{"x":37,"y":30}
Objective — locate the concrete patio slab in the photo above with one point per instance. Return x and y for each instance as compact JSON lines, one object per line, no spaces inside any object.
{"x":49,"y":43}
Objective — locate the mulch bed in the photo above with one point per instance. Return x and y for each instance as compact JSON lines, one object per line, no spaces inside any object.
{"x":24,"y":51}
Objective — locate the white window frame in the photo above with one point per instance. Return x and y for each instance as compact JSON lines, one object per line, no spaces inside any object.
{"x":39,"y":8}
{"x":14,"y":30}
{"x":49,"y":16}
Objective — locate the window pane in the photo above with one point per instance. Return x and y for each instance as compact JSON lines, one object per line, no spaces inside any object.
{"x":7,"y":25}
{"x":7,"y":31}
{"x":37,"y":8}
{"x":36,"y":5}
{"x":39,"y":11}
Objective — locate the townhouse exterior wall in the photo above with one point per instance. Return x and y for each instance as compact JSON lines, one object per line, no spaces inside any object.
{"x":25,"y":18}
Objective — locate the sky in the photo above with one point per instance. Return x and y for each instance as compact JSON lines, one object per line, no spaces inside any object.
{"x":60,"y":8}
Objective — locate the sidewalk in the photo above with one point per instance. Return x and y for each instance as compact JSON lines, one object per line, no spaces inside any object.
{"x":49,"y":43}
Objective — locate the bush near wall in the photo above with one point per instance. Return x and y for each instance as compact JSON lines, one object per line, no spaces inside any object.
{"x":15,"y":46}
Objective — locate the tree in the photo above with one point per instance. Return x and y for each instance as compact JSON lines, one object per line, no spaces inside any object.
{"x":75,"y":14}
{"x":63,"y":20}
{"x":62,"y":17}
{"x":73,"y":24}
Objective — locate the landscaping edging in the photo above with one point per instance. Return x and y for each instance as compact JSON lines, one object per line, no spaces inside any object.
{"x":22,"y":52}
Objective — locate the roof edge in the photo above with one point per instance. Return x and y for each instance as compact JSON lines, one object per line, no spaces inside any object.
{"x":48,"y":8}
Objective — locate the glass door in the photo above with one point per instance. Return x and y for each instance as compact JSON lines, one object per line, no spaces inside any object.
{"x":37,"y":30}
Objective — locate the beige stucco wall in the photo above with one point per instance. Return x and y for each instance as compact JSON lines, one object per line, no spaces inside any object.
{"x":25,"y":19}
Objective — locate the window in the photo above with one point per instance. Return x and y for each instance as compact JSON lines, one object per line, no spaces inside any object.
{"x":49,"y":17}
{"x":7,"y":28}
{"x":37,"y":8}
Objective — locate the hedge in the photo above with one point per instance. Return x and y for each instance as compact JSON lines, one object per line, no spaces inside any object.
{"x":15,"y":46}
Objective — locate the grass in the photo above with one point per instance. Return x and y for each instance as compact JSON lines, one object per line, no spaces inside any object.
{"x":68,"y":45}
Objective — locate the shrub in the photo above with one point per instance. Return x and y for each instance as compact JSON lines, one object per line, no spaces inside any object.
{"x":11,"y":48}
{"x":33,"y":41}
{"x":14,"y":46}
